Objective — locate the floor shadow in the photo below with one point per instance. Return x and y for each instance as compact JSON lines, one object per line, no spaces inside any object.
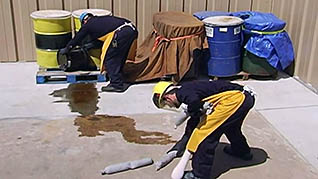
{"x":223,"y":162}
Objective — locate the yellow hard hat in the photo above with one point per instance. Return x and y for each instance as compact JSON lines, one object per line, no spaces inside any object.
{"x":158,"y":91}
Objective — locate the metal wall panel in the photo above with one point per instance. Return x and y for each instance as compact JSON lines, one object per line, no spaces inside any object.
{"x":294,"y":22}
{"x":100,"y":4}
{"x":262,"y":5}
{"x":240,"y":5}
{"x":146,"y":9}
{"x":280,"y":9}
{"x":306,"y":41}
{"x":24,"y":29}
{"x":192,"y":6}
{"x":126,"y":9}
{"x":50,"y":4}
{"x":171,"y":5}
{"x":7,"y":38}
{"x":71,"y":5}
{"x":218,"y":5}
{"x":283,"y":10}
{"x":301,"y":19}
{"x":313,"y":65}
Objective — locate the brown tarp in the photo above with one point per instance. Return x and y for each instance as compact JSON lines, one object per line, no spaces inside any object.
{"x":168,"y":49}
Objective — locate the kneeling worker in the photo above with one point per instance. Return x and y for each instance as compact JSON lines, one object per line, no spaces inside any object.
{"x":231,"y":103}
{"x":117,"y":34}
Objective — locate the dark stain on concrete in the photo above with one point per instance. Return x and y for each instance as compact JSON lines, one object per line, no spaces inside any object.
{"x":91,"y":126}
{"x":82,"y":97}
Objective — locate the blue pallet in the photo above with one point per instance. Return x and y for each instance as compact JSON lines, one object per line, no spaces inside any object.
{"x":60,"y":77}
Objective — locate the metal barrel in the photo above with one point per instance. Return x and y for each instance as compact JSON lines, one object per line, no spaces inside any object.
{"x":224,"y":35}
{"x":52,"y":31}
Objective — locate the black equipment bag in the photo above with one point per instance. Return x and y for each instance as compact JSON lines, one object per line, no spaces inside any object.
{"x":77,"y":59}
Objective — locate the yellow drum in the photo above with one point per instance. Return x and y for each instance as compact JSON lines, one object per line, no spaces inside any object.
{"x":47,"y":58}
{"x":53,"y":31}
{"x":94,"y":53}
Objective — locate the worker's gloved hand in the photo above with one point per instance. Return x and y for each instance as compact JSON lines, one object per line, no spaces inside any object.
{"x":64,"y":51}
{"x":180,"y":146}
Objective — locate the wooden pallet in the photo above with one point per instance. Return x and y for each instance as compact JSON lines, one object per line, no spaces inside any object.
{"x":56,"y":76}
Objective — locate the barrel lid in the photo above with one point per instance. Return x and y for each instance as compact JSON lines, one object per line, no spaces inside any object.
{"x":223,"y":21}
{"x":205,"y":14}
{"x":50,"y":14}
{"x":96,"y":12}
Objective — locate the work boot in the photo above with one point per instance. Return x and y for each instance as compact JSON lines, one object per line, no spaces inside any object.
{"x":111,"y":88}
{"x":246,"y":156}
{"x":189,"y":175}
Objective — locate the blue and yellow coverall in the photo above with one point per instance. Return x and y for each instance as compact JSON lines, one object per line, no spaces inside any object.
{"x":117,"y":34}
{"x":230,"y":106}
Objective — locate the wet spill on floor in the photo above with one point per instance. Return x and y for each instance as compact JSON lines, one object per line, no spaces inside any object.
{"x":91,"y":126}
{"x":82,"y":97}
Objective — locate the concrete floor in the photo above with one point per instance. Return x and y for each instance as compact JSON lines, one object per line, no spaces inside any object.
{"x":43,"y":134}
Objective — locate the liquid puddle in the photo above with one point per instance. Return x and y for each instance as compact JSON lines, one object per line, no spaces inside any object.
{"x":82,"y":97}
{"x":91,"y":126}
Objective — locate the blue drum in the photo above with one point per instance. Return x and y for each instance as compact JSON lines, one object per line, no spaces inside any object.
{"x":225,"y":38}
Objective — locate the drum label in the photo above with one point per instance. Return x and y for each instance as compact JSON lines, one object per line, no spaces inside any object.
{"x":237,"y":30}
{"x":223,"y":29}
{"x":209,"y":31}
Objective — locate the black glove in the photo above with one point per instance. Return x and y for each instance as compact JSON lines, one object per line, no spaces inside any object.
{"x":62,"y":58}
{"x":180,"y":146}
{"x":64,"y":51}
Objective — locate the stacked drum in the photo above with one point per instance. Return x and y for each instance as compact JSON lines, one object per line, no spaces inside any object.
{"x":53,"y":31}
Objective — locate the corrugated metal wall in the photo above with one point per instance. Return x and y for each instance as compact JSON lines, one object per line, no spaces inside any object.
{"x":301,"y":16}
{"x":23,"y":29}
{"x":302,"y":26}
{"x":7,"y":36}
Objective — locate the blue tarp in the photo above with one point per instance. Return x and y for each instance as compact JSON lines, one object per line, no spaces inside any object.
{"x":260,"y":21}
{"x":276,"y":47}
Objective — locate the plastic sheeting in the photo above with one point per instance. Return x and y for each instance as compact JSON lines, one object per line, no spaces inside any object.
{"x":268,"y":39}
{"x":260,"y":21}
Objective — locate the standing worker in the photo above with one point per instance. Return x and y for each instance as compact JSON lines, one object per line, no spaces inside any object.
{"x":231,"y":103}
{"x":118,"y":34}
